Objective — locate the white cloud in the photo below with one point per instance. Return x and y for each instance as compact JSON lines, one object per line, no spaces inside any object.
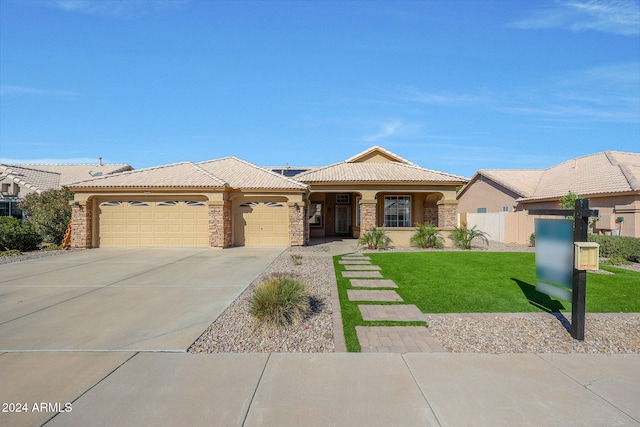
{"x":127,"y":8}
{"x":609,"y":16}
{"x":436,"y":98}
{"x":6,"y":90}
{"x":386,"y":130}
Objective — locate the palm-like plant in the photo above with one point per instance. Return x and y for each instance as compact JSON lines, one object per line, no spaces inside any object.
{"x":463,"y":236}
{"x":375,"y":238}
{"x":427,"y":236}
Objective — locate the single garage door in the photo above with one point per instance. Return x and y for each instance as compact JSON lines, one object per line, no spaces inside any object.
{"x":151,"y":224}
{"x":261,"y":224}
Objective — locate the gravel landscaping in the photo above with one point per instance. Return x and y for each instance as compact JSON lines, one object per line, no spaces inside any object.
{"x":472,"y":333}
{"x":25,"y":256}
{"x":234,"y":331}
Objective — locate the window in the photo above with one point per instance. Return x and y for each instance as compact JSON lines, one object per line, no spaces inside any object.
{"x":481,"y":210}
{"x":358,"y":211}
{"x":169,"y":203}
{"x":5,"y":188}
{"x":505,"y":209}
{"x":342,"y":198}
{"x":397,"y":211}
{"x":315,"y":214}
{"x":193,"y":203}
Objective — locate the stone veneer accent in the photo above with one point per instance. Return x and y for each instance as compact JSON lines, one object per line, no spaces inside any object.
{"x":430,"y":214}
{"x":368,"y":215}
{"x":220,"y":225}
{"x":81,"y":226}
{"x":447,"y":214}
{"x":298,"y":235}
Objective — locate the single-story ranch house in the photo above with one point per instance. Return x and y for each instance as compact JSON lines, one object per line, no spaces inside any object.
{"x":18,"y":181}
{"x":498,"y":201}
{"x":230,"y":202}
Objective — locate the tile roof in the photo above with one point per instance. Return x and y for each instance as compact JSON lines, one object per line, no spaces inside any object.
{"x":184,"y":174}
{"x":79,"y":172}
{"x":242,"y":174}
{"x":599,"y":173}
{"x":33,"y":179}
{"x":521,"y":181}
{"x":227,"y":172}
{"x":376,"y":172}
{"x":393,"y":156}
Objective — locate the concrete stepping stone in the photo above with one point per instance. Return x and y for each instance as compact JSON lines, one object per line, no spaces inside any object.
{"x":356,"y":257}
{"x":362,"y":274}
{"x":392,"y":312}
{"x":369,"y":295}
{"x":363,"y":267}
{"x":356,"y":262}
{"x":384,"y":283}
{"x":397,"y":339}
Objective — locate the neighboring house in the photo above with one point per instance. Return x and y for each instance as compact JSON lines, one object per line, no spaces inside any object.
{"x":17,"y":181}
{"x":609,"y":179}
{"x":231,"y":202}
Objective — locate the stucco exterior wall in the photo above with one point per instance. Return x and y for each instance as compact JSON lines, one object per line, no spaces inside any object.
{"x":486,"y":194}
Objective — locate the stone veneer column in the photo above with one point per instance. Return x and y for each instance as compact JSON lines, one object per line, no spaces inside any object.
{"x":368,"y":215}
{"x":447,"y":214}
{"x":81,"y":225}
{"x":219,"y":224}
{"x":430,"y":214}
{"x":297,"y":227}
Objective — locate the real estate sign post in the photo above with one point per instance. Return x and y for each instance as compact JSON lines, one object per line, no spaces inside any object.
{"x":556,"y":273}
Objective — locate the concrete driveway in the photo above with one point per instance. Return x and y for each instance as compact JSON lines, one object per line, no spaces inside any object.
{"x":122,"y":299}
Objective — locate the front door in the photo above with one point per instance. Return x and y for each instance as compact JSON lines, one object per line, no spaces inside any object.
{"x":343,"y":219}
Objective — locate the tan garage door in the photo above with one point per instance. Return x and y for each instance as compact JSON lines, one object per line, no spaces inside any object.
{"x":150,"y":224}
{"x":261,"y":224}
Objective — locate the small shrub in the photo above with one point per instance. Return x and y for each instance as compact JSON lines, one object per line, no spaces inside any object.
{"x":614,"y":247}
{"x":532,"y":240}
{"x":297,"y":259}
{"x":427,"y":236}
{"x":18,"y":234}
{"x":463,"y":236}
{"x":375,"y":238}
{"x":279,"y":301}
{"x":10,"y":252}
{"x":52,"y":248}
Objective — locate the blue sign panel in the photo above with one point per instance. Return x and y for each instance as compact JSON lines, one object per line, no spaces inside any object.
{"x":554,"y":257}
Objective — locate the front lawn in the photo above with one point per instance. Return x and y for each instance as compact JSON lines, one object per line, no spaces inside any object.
{"x":482,"y":282}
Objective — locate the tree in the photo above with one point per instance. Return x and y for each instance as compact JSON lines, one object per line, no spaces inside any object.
{"x":49,"y":212}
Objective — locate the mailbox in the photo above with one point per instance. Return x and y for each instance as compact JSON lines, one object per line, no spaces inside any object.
{"x":587,"y":256}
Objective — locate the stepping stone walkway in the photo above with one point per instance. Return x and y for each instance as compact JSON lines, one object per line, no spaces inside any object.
{"x":376,"y":339}
{"x":395,"y":312}
{"x":363,"y":283}
{"x":362,"y":267}
{"x":397,"y":339}
{"x":362,"y":274}
{"x":368,"y":295}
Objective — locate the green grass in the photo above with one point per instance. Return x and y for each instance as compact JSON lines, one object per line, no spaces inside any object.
{"x":481,"y":282}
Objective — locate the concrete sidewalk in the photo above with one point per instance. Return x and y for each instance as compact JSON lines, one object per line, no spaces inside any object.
{"x":415,"y":389}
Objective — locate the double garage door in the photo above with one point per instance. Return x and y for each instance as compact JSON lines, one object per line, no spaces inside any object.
{"x":150,"y":224}
{"x":185,"y":223}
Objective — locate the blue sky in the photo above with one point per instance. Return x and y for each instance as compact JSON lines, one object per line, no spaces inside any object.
{"x":454,"y":86}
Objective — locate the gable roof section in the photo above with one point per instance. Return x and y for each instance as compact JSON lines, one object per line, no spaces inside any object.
{"x":79,"y":172}
{"x":184,"y":174}
{"x":379,"y":152}
{"x":523,"y":182}
{"x":33,"y":179}
{"x":376,"y":172}
{"x":241,"y":174}
{"x":599,"y":173}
